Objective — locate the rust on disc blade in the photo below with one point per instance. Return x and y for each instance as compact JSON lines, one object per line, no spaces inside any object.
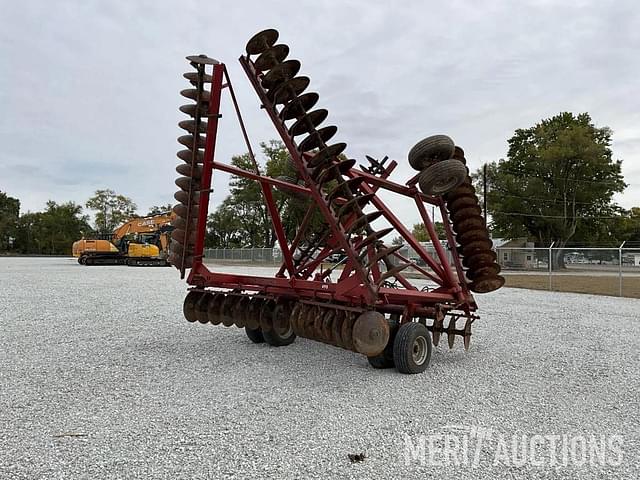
{"x":318,"y":321}
{"x":299,"y":106}
{"x":241,"y":310}
{"x":183,"y":197}
{"x":437,"y":330}
{"x":266,"y":316}
{"x":465,"y":213}
{"x":302,"y":314}
{"x":370,"y":333}
{"x":467,"y":334}
{"x":192,"y":94}
{"x":185,"y":183}
{"x":252,"y":319}
{"x":227,"y":310}
{"x":471,"y":223}
{"x":484,"y":271}
{"x":310,"y":322}
{"x":281,"y":319}
{"x":336,"y":328}
{"x":308,"y":122}
{"x":327,"y":324}
{"x":271,"y":57}
{"x":458,"y":154}
{"x":476,"y":246}
{"x":487,"y":284}
{"x":261,"y":41}
{"x":194,"y":77}
{"x":347,"y":330}
{"x":181,"y":223}
{"x":190,"y":126}
{"x":451,"y":336}
{"x":188,"y":141}
{"x":187,"y":156}
{"x":176,"y":261}
{"x":213,"y":309}
{"x":189,"y":306}
{"x":288,"y":90}
{"x":293,"y":317}
{"x":202,"y":59}
{"x":463,"y":190}
{"x":201,"y":308}
{"x":318,"y":138}
{"x":181,"y":210}
{"x":280,"y":73}
{"x":477,"y":260}
{"x":177,"y":248}
{"x":473,"y":235}
{"x":461,"y":202}
{"x":193,"y":110}
{"x":181,"y":235}
{"x":187,"y":171}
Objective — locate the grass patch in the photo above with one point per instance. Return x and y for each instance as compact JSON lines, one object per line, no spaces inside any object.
{"x":596,"y":284}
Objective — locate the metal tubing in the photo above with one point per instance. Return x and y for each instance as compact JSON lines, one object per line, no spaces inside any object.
{"x":207,"y":167}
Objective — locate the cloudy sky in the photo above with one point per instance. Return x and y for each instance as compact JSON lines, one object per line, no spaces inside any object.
{"x":89,"y":90}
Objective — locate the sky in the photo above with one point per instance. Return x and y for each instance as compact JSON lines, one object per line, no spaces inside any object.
{"x":89,"y":90}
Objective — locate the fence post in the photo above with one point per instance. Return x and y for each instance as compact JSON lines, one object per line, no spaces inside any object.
{"x":620,"y":267}
{"x":550,"y":263}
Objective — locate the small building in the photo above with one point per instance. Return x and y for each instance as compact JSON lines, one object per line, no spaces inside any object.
{"x":517,"y":253}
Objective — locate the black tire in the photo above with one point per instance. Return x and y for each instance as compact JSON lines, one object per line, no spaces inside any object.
{"x":382,"y":361}
{"x":412,"y":348}
{"x":254,"y":335}
{"x":429,"y":150}
{"x":282,"y":333}
{"x":442,"y":177}
{"x":385,"y":359}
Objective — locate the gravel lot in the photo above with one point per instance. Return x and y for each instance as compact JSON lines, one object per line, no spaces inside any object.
{"x":101,"y":377}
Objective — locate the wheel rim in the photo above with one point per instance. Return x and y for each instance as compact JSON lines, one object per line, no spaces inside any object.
{"x":419,"y":350}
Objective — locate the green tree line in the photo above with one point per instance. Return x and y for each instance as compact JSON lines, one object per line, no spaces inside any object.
{"x":53,"y":230}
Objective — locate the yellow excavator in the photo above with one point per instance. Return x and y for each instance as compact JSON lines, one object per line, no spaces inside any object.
{"x":140,"y":242}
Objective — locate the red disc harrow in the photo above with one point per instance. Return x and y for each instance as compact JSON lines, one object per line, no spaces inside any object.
{"x":376,"y":301}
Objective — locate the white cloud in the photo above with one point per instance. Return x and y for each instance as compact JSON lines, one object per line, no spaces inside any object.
{"x":89,"y":91}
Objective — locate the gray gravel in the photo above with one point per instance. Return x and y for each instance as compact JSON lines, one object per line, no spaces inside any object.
{"x":101,"y":377}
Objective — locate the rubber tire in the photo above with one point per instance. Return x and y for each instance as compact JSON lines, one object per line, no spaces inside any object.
{"x":430,"y":149}
{"x":385,"y":359}
{"x":254,"y":335}
{"x":442,"y":177}
{"x":276,"y":339}
{"x":403,"y":348}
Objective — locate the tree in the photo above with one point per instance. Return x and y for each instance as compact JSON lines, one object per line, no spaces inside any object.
{"x":556,"y":184}
{"x":243,"y":220}
{"x":52,"y":231}
{"x":111,"y":209}
{"x":9,"y":214}
{"x":627,"y":227}
{"x":420,"y":232}
{"x":158,"y":210}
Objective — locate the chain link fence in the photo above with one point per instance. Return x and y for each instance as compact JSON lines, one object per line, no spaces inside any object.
{"x":603,"y":271}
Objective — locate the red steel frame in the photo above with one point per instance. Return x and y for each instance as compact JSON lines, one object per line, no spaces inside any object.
{"x":354,"y":288}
